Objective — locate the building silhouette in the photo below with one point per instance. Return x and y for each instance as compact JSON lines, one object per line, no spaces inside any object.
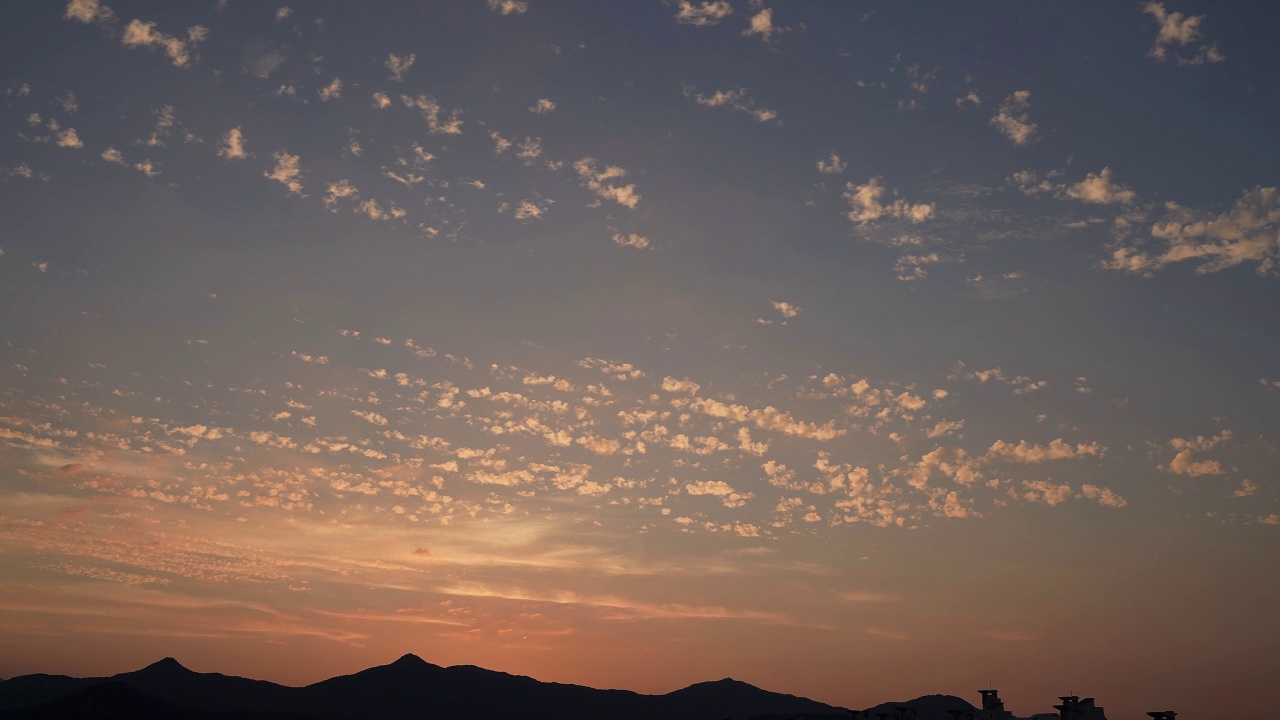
{"x":1073,"y":708}
{"x":1070,"y":708}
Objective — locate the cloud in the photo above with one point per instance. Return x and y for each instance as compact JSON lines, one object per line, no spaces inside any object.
{"x":89,"y":11}
{"x":1103,"y":496}
{"x":761,"y":23}
{"x":1185,"y":464}
{"x":529,"y":149}
{"x":542,"y":107}
{"x":1025,"y":452}
{"x":69,"y":139}
{"x":632,"y":240}
{"x":599,"y":445}
{"x":598,"y":182}
{"x":1247,"y":233}
{"x":437,"y":122}
{"x":1046,"y":491}
{"x":618,"y":370}
{"x":733,"y":98}
{"x":370,"y":417}
{"x":1200,"y":442}
{"x":673,"y":385}
{"x":144,"y":34}
{"x":833,"y":165}
{"x":233,"y":145}
{"x":398,"y":65}
{"x":945,"y":427}
{"x":375,"y":211}
{"x":786,"y":309}
{"x":528,"y":210}
{"x":1247,"y":488}
{"x":332,"y":91}
{"x":287,"y":172}
{"x":729,"y":497}
{"x":1099,"y":189}
{"x":912,"y":267}
{"x":509,"y":7}
{"x":703,"y":14}
{"x":766,"y":418}
{"x":1012,"y":119}
{"x":1022,"y":385}
{"x":339,"y":191}
{"x":1179,"y":31}
{"x":867,"y":203}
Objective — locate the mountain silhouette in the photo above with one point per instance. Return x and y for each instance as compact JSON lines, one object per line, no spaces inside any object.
{"x":928,"y":707}
{"x":410,"y":687}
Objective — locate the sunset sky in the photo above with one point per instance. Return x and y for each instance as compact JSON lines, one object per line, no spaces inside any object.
{"x":856,"y":350}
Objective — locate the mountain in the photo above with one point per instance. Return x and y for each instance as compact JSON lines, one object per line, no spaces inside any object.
{"x":116,"y":700}
{"x":732,"y":698}
{"x":928,"y":707}
{"x":170,"y":681}
{"x":407,"y":688}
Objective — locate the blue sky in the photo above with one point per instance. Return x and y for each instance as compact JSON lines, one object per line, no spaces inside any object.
{"x":571,"y":336}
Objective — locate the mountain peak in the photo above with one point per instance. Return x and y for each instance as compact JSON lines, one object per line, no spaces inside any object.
{"x":168,"y":665}
{"x":409,"y":659}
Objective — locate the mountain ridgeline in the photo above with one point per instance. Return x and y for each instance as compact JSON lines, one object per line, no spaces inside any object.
{"x":407,"y":688}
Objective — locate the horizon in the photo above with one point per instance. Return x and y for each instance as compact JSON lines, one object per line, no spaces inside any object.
{"x":852,"y":350}
{"x":166,"y":661}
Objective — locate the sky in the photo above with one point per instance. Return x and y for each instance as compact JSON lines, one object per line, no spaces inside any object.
{"x":856,"y":350}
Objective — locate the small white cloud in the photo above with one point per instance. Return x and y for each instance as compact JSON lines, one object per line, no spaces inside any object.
{"x":438,"y":122}
{"x":912,"y":267}
{"x":1179,"y":31}
{"x":233,"y":145}
{"x":1025,"y":452}
{"x":332,"y":91}
{"x":528,"y":210}
{"x":283,"y":13}
{"x":340,"y":190}
{"x":69,"y":139}
{"x":374,"y":210}
{"x":786,"y":309}
{"x":833,"y":165}
{"x":1103,"y":496}
{"x":733,"y":98}
{"x":144,"y":34}
{"x":761,"y":23}
{"x":672,"y":385}
{"x":287,"y":172}
{"x":1100,"y":189}
{"x":398,"y":65}
{"x":381,"y":101}
{"x":1012,"y":118}
{"x":599,"y":182}
{"x":1249,"y":232}
{"x":867,"y":202}
{"x":89,"y":11}
{"x":702,"y":14}
{"x":509,"y":7}
{"x":632,"y":240}
{"x":1247,"y":488}
{"x":542,"y":107}
{"x":114,"y":156}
